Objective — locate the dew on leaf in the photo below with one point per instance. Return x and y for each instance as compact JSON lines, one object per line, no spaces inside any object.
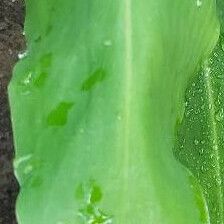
{"x":219,"y":115}
{"x":81,"y":130}
{"x":201,"y":150}
{"x":107,"y":43}
{"x":210,"y":106}
{"x":60,"y":222}
{"x":119,"y":117}
{"x":202,"y":142}
{"x":202,"y":168}
{"x":199,"y":3}
{"x":215,"y":147}
{"x":196,"y":142}
{"x":219,"y":181}
{"x":203,"y":106}
{"x":22,"y":55}
{"x":28,"y":79}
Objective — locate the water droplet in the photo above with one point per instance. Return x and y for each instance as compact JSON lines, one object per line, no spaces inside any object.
{"x":196,"y":142}
{"x":219,"y":115}
{"x":207,"y":71}
{"x":208,"y":185}
{"x":203,"y":142}
{"x":187,"y":114}
{"x":60,"y":222}
{"x":202,"y":168}
{"x":222,"y":44}
{"x":199,"y":3}
{"x":81,"y":130}
{"x":218,"y":180}
{"x":28,"y":79}
{"x":107,"y":43}
{"x":22,"y":55}
{"x":215,"y":147}
{"x":119,"y":117}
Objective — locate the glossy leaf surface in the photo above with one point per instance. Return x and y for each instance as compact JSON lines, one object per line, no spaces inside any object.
{"x":200,"y":145}
{"x":95,"y":105}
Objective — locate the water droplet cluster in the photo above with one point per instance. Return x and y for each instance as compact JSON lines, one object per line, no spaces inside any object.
{"x":200,"y":145}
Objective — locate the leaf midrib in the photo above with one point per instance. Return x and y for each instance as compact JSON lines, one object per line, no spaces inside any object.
{"x":128,"y":79}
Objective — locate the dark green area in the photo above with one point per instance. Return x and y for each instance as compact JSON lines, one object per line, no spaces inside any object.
{"x":95,"y":78}
{"x":90,"y":195}
{"x":59,"y":116}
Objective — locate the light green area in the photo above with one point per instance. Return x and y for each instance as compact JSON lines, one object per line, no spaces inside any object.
{"x":95,"y":105}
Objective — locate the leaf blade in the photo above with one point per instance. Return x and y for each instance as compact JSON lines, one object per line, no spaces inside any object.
{"x":119,"y":131}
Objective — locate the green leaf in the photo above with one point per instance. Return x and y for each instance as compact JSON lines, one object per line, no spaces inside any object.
{"x":200,"y":146}
{"x":201,"y":133}
{"x":95,"y":105}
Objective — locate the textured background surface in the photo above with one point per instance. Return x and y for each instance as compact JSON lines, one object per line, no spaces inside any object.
{"x":11,"y":43}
